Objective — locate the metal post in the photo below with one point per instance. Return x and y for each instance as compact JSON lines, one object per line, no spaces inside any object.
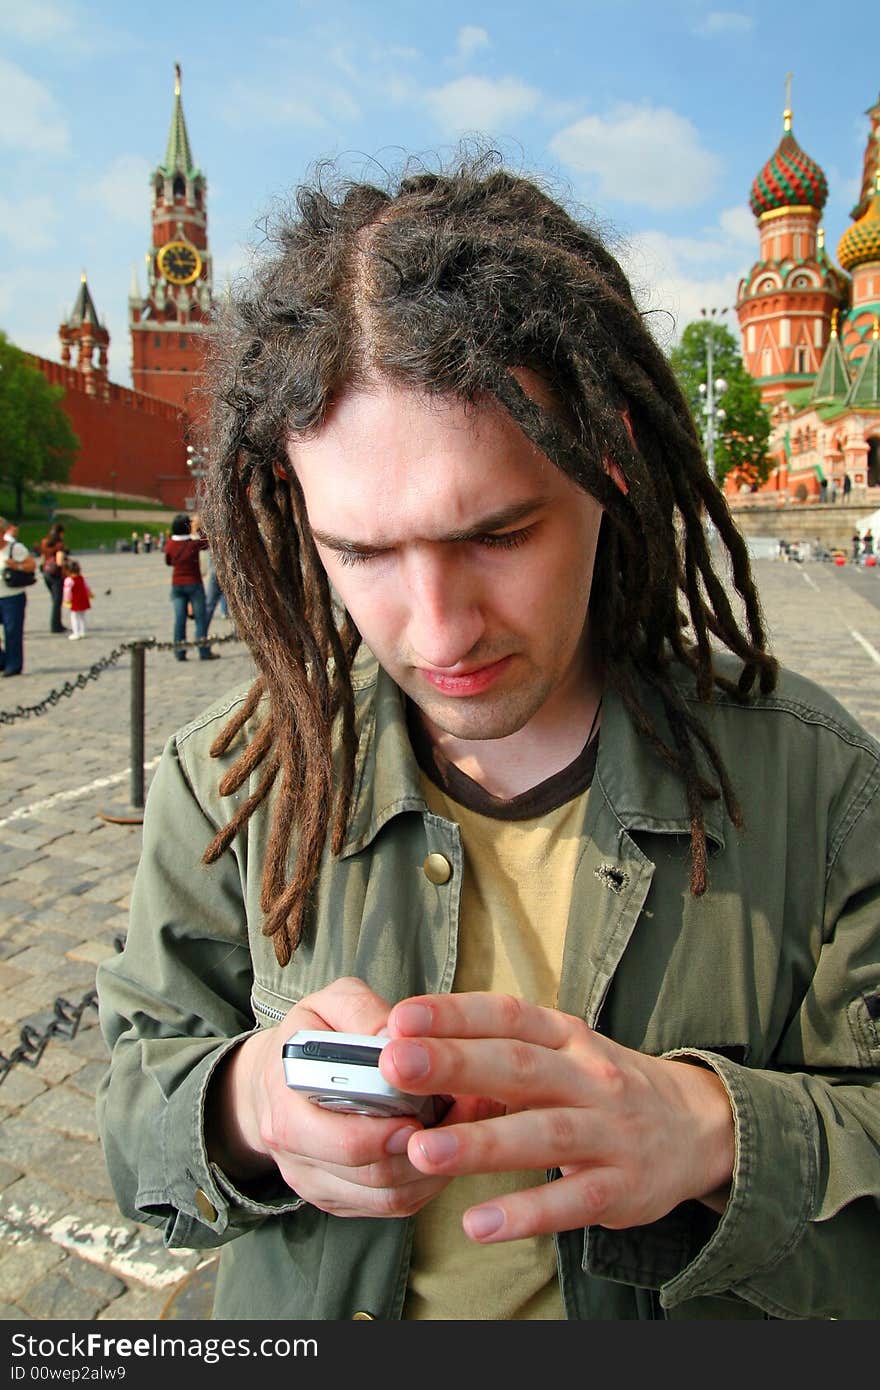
{"x":137,"y":724}
{"x":710,"y":404}
{"x":133,"y":814}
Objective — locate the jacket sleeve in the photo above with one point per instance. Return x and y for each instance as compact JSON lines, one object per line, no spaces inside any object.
{"x":171,"y":1005}
{"x":800,"y":1235}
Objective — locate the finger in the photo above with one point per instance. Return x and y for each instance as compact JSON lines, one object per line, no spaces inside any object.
{"x":482,"y":1015}
{"x":519,"y":1074}
{"x":591,"y":1197}
{"x":348,"y":1005}
{"x":343,"y":1198}
{"x":384,"y":1172}
{"x":528,"y":1139}
{"x":347,"y":1141}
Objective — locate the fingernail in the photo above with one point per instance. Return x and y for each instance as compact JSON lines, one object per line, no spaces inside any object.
{"x":438,"y":1147}
{"x":398,"y":1141}
{"x":410,"y":1059}
{"x":413,"y":1018}
{"x":485,"y":1221}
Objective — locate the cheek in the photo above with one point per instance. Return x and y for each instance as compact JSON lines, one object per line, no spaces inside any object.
{"x":376,"y":608}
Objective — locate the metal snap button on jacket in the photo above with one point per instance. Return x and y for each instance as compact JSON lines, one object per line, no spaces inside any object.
{"x":205,"y":1205}
{"x":437,"y":868}
{"x":362,"y":1317}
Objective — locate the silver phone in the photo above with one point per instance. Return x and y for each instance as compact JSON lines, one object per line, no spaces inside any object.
{"x":340,"y":1071}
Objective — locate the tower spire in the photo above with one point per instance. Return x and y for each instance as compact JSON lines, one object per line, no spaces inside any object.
{"x":178,"y":154}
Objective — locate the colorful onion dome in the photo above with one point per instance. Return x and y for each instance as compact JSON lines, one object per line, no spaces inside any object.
{"x":790,"y":178}
{"x":860,"y":243}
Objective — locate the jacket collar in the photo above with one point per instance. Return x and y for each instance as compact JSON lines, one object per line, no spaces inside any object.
{"x":642,"y":792}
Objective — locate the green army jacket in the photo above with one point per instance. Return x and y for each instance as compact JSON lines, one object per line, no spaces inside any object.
{"x":771,"y":978}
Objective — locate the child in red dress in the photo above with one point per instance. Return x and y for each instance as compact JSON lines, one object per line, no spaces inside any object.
{"x":77,"y":598}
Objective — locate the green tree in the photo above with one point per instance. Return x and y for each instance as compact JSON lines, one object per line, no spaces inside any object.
{"x":741,"y":435}
{"x":37,"y":442}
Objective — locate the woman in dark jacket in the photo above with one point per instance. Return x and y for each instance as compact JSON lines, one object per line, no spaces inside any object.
{"x":53,"y":554}
{"x":183,"y":553}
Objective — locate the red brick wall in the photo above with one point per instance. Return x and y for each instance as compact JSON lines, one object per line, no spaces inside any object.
{"x":139,"y":437}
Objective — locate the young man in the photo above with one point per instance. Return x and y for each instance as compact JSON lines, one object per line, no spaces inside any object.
{"x":514,"y":786}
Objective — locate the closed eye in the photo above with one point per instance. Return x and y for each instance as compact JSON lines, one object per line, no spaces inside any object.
{"x":488,"y":540}
{"x":505,"y":540}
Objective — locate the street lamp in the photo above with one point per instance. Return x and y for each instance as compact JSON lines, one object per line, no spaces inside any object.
{"x":713,"y":387}
{"x":195,"y":462}
{"x":113,"y":486}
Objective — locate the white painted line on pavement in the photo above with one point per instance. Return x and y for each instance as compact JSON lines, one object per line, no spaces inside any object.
{"x":23,"y":812}
{"x":812,"y":583}
{"x":872,"y":651}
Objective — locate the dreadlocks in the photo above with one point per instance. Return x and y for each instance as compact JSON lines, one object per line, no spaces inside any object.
{"x":443,"y":282}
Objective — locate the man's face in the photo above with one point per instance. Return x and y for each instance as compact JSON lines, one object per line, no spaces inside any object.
{"x":464,"y":556}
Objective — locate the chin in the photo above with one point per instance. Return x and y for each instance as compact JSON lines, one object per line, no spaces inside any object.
{"x":476,"y":720}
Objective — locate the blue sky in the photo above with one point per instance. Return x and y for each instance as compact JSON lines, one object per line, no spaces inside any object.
{"x":656,"y":114}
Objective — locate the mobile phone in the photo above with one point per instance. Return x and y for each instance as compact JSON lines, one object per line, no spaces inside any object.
{"x":340,"y":1071}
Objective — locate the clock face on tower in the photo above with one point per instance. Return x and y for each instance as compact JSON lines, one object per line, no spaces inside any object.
{"x":179,"y":262}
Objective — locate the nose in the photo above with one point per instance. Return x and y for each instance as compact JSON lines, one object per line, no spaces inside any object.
{"x":446,"y":618}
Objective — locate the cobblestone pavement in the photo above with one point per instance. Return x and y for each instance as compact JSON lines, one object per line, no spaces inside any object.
{"x":65,"y":876}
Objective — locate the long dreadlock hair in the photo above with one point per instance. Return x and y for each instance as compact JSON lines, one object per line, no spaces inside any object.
{"x":443,"y":282}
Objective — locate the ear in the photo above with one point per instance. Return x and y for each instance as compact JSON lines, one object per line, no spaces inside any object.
{"x":613,"y":469}
{"x":615,"y":474}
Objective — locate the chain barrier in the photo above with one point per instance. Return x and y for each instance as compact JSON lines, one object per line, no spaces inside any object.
{"x":100,"y":666}
{"x":63,"y":1023}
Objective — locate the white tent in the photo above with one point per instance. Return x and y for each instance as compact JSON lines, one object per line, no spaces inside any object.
{"x":869,"y":523}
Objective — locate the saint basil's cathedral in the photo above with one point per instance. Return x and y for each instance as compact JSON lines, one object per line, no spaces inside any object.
{"x":811,"y":329}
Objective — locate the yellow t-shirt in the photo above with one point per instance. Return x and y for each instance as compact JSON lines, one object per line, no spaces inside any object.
{"x":516,"y":894}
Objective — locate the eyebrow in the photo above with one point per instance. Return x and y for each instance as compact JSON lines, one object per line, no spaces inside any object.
{"x":494,"y":521}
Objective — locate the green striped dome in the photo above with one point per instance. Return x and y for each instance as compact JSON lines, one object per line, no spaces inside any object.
{"x":790,"y":178}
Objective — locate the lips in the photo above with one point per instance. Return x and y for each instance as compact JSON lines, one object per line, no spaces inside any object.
{"x":469,"y":682}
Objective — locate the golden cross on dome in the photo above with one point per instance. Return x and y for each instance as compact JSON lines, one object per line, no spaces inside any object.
{"x":786,"y":115}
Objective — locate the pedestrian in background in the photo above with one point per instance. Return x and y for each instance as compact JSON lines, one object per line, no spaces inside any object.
{"x":16,"y":561}
{"x":53,"y":554}
{"x":183,"y":552}
{"x":214,"y":595}
{"x":77,"y":599}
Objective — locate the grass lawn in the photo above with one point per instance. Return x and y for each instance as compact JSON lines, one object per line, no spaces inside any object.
{"x":103,"y":529}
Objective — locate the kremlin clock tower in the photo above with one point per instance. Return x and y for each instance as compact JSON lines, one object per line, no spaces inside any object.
{"x":168,"y":326}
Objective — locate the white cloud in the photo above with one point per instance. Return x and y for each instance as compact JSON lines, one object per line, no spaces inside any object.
{"x":677,"y":276}
{"x":470,"y":38}
{"x":27,"y":223}
{"x":30,"y":118}
{"x":640,"y":154}
{"x":479,"y":103}
{"x":725,"y":22}
{"x":39,"y":22}
{"x":316,"y":105}
{"x":738,"y":224}
{"x":123,"y":190}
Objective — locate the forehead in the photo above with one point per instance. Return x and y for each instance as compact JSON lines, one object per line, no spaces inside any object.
{"x":390,"y":452}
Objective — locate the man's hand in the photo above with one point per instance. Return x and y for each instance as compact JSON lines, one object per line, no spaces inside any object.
{"x":350,"y":1165}
{"x":633,"y":1135}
